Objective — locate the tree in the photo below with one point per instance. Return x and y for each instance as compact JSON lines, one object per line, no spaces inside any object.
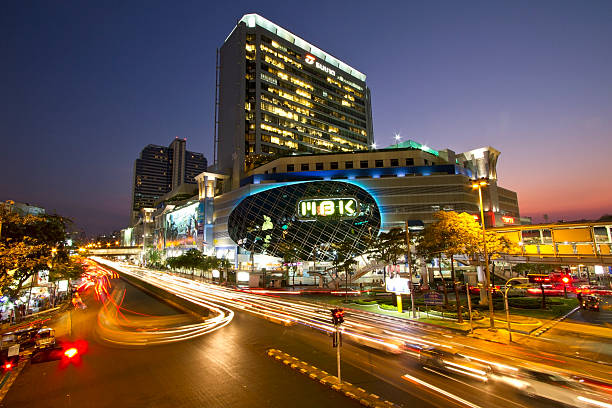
{"x":388,"y":246}
{"x":30,"y":244}
{"x":344,"y":259}
{"x":291,"y":255}
{"x":225,"y":264}
{"x":153,"y":258}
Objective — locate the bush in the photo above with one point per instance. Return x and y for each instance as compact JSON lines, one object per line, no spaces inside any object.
{"x":385,"y":306}
{"x":365,"y":302}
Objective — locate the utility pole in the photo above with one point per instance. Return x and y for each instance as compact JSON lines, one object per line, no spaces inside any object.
{"x":409,"y":264}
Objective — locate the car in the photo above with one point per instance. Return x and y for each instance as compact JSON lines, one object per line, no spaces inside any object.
{"x":45,"y":338}
{"x":590,"y":302}
{"x":550,"y":386}
{"x":451,"y":362}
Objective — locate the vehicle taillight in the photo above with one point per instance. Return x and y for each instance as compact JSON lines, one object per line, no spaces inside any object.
{"x":71,"y":352}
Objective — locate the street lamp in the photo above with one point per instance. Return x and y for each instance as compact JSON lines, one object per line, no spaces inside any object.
{"x":397,"y":139}
{"x":478,"y":185}
{"x":507,"y":308}
{"x":373,"y":145}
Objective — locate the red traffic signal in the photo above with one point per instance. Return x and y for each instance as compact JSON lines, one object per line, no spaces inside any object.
{"x":7,"y":366}
{"x":337,"y":316}
{"x":565,"y":279}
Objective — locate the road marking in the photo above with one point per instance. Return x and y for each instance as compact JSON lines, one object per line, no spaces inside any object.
{"x":471,"y":386}
{"x":440,"y":390}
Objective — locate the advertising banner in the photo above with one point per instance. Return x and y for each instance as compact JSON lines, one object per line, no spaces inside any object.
{"x":182,"y":226}
{"x":397,"y":285}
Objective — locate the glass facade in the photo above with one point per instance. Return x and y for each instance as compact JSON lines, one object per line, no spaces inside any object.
{"x":309,"y":217}
{"x":304,"y":105}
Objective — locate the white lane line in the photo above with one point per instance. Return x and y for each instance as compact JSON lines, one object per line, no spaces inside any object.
{"x":439,"y":390}
{"x":471,"y":386}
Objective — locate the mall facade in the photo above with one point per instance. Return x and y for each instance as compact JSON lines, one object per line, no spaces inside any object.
{"x":311,"y":201}
{"x":295,"y":166}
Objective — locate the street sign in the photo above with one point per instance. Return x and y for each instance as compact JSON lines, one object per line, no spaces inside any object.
{"x":433,"y":298}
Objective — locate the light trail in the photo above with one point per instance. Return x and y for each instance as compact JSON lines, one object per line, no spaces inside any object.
{"x":373,"y":330}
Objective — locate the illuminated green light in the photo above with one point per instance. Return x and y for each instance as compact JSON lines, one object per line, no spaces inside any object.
{"x":314,"y":208}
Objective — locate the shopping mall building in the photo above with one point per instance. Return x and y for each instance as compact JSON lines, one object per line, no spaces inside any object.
{"x":311,"y":201}
{"x":295,"y":164}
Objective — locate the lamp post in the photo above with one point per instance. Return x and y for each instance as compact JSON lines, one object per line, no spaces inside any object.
{"x":508,"y":308}
{"x":397,"y":139}
{"x":409,"y":264}
{"x":478,"y":185}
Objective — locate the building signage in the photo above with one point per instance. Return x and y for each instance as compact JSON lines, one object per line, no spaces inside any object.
{"x":314,"y":208}
{"x":507,"y":219}
{"x":311,"y":59}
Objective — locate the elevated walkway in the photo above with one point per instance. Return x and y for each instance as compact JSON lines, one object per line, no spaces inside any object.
{"x":115,"y":251}
{"x":562,"y":243}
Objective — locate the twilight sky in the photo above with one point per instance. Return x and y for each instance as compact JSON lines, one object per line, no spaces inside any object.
{"x":84,"y":86}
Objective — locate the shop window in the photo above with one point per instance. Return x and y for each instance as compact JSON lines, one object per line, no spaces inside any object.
{"x":333,"y":165}
{"x":290,"y":167}
{"x":305,"y":167}
{"x":378,"y":163}
{"x":319,"y":166}
{"x":410,"y":162}
{"x":394,"y":162}
{"x":363,"y":164}
{"x":348,"y":165}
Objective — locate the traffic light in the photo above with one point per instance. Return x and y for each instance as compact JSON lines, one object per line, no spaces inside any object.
{"x":565,"y":279}
{"x":337,"y":316}
{"x":538,"y":278}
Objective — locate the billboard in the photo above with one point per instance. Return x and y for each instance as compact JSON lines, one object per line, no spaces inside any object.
{"x":397,"y":285}
{"x":182,"y":226}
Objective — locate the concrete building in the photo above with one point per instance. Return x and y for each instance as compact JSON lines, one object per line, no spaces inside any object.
{"x":160,"y":170}
{"x":408,"y":182}
{"x":280,"y":94}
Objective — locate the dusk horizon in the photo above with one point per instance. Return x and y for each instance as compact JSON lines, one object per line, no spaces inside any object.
{"x":86,"y":90}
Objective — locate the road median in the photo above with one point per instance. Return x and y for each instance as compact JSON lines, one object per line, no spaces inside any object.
{"x":359,"y":394}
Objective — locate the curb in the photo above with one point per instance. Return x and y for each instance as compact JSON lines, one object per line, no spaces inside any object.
{"x":9,"y":378}
{"x":349,"y":390}
{"x":550,"y":325}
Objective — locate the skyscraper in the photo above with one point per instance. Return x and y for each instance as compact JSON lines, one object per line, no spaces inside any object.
{"x":160,"y":170}
{"x":279,"y":94}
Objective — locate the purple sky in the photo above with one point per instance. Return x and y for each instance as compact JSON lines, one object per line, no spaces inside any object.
{"x":84,"y":86}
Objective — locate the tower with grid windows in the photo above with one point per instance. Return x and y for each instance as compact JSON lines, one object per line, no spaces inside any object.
{"x":280,"y":95}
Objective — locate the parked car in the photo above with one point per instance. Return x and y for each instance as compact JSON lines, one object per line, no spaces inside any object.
{"x":45,"y":338}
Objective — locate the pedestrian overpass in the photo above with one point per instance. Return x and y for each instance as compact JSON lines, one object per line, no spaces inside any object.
{"x":115,"y":251}
{"x":588,"y":243}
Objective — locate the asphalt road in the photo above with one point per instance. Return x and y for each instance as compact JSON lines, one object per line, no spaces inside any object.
{"x":229,"y":368}
{"x":226,"y":368}
{"x":587,"y":331}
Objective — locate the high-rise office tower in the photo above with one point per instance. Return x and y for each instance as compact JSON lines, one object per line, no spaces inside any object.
{"x":161,"y":169}
{"x":279,"y":94}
